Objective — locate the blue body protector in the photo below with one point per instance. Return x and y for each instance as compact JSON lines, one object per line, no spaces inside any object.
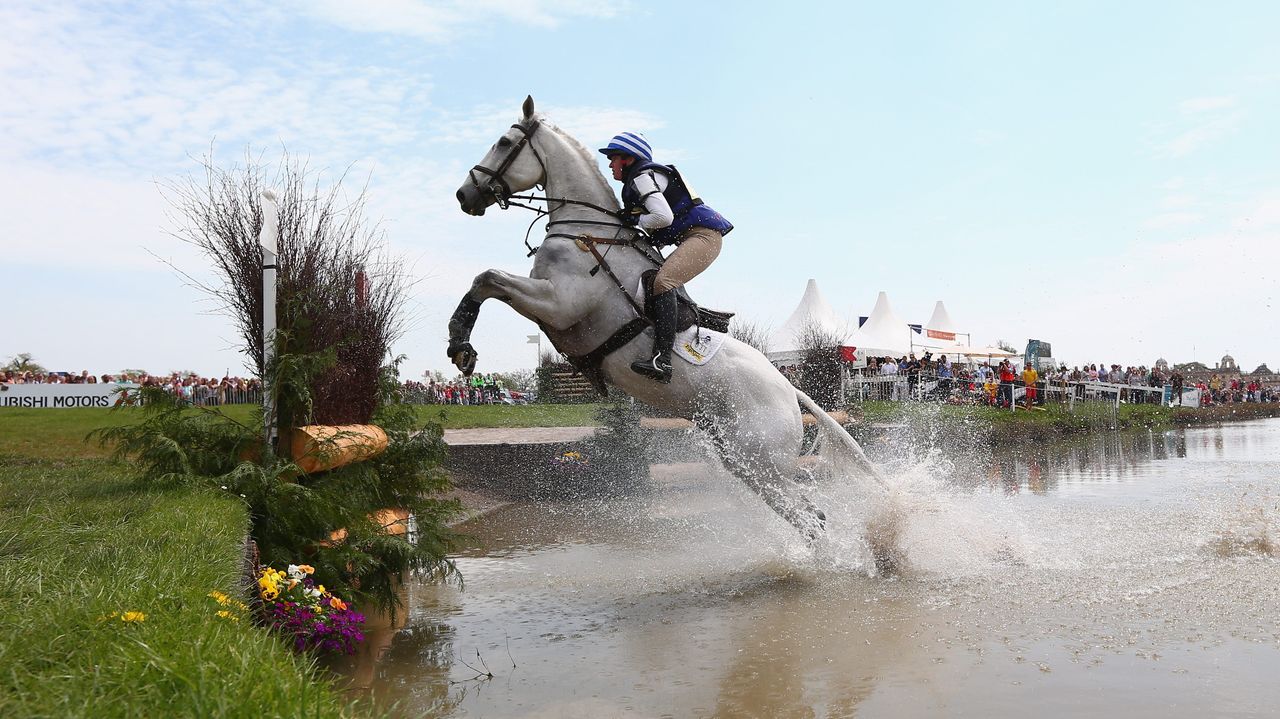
{"x":688,"y":209}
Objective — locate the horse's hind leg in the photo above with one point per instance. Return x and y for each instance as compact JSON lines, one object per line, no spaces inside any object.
{"x":764,"y":459}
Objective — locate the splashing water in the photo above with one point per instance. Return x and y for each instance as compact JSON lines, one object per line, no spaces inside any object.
{"x":1250,"y":528}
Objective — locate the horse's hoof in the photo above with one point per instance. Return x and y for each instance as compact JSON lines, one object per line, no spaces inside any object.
{"x":464,"y":357}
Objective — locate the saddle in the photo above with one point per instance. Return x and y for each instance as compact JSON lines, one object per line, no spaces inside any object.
{"x":689,"y":312}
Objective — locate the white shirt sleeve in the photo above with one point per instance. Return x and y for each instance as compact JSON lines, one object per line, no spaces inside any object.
{"x":657,"y":213}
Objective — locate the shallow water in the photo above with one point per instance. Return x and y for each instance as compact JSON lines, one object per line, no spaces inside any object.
{"x":1129,"y":575}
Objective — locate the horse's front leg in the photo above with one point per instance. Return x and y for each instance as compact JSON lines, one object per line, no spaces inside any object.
{"x":539,"y":300}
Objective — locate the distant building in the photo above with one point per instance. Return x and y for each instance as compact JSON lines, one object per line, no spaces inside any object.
{"x":1227,"y":370}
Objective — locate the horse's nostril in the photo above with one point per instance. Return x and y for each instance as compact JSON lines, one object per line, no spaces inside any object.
{"x":461,"y":197}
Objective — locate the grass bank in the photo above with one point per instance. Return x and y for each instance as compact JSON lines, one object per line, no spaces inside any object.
{"x":82,"y":545}
{"x":1053,"y":420}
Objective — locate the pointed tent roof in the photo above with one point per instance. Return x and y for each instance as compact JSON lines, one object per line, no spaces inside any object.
{"x":939,"y":330}
{"x":941,"y":319}
{"x":812,"y":310}
{"x":884,"y":332}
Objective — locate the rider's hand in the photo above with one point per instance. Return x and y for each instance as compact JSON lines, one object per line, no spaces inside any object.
{"x":631,"y":217}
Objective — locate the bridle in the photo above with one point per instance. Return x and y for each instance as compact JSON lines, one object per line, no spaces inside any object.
{"x":497,"y":185}
{"x":501,"y":190}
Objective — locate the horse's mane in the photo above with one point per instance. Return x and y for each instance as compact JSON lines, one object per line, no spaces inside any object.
{"x":588,"y":156}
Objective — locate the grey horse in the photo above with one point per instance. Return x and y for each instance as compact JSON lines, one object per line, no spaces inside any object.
{"x":747,"y":408}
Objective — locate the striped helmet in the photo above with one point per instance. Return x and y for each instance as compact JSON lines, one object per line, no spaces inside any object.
{"x":632,"y":143}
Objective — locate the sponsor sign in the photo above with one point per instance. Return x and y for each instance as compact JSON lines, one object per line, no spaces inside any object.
{"x":940,"y":335}
{"x":57,"y":396}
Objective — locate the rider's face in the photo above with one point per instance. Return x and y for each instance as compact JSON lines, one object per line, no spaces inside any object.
{"x":619,"y":162}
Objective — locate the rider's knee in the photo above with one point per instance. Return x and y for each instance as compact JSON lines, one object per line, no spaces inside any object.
{"x":664,"y":284}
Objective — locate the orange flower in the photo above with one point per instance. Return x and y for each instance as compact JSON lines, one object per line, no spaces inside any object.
{"x":337,"y":603}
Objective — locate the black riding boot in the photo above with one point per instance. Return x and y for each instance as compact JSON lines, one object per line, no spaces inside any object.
{"x":664,"y":335}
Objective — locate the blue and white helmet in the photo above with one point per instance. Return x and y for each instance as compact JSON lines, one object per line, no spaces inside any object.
{"x":632,"y":143}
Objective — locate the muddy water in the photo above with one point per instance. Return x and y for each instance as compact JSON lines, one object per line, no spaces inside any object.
{"x":1121,"y":576}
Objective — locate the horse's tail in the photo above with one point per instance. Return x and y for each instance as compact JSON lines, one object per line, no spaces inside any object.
{"x":833,"y":432}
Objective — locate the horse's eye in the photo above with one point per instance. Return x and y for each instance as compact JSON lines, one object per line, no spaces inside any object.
{"x":504,"y":142}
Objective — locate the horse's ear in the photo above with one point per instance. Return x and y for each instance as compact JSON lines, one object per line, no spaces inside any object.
{"x":528,"y":107}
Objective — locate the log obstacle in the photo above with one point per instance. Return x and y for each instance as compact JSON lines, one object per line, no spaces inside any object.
{"x":392,"y":521}
{"x":316,"y":447}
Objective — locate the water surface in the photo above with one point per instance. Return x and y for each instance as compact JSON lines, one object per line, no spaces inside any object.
{"x":1130,"y":574}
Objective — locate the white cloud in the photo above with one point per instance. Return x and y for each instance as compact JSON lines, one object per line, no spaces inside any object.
{"x":85,"y":90}
{"x":439,"y":22}
{"x":1202,"y":121}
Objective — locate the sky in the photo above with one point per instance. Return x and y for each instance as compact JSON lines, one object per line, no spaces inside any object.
{"x":1102,"y":176}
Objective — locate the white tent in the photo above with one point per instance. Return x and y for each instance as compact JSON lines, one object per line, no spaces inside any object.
{"x":939,"y":330}
{"x":813,"y":313}
{"x":883,"y":334}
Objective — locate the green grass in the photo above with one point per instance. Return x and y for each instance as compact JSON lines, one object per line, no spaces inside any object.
{"x":1053,"y":420}
{"x":501,"y":415}
{"x":60,"y":433}
{"x":79,"y":541}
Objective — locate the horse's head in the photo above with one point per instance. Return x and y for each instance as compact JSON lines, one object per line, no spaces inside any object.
{"x":512,"y":165}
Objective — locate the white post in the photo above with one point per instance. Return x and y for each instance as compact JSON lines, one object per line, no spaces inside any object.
{"x":269,"y":239}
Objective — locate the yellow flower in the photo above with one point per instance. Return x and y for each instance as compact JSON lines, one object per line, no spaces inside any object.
{"x":133,"y":617}
{"x":228,"y":615}
{"x":220,"y":598}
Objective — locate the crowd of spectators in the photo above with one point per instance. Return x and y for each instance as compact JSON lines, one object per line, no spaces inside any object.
{"x":984,"y":383}
{"x":479,"y":388}
{"x":192,"y":388}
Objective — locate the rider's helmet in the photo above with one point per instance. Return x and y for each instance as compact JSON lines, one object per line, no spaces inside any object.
{"x":632,"y":143}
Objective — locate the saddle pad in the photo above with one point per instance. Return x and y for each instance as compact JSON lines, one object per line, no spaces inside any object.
{"x":698,"y":347}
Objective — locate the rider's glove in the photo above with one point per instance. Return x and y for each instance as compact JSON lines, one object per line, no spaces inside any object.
{"x":631,"y":217}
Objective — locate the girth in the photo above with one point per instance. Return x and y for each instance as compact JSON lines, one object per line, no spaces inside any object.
{"x":588,"y":365}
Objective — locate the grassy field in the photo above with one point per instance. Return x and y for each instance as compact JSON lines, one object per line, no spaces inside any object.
{"x":501,"y":415}
{"x":58,"y":434}
{"x":81,"y":545}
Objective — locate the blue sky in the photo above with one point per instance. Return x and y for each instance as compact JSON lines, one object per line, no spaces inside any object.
{"x":1100,"y":175}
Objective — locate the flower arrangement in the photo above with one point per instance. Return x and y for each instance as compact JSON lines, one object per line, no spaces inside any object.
{"x":294,"y":605}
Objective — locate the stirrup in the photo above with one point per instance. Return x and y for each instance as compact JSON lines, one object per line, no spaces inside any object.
{"x":653,"y":370}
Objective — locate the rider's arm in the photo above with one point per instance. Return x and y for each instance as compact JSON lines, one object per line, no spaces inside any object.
{"x":657,"y":213}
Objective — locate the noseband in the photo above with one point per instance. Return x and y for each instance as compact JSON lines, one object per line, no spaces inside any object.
{"x":498,"y":182}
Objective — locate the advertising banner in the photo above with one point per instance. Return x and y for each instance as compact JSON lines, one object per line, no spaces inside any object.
{"x":57,"y":396}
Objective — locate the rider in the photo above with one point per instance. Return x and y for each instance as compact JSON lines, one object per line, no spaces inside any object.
{"x":657,"y":199}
